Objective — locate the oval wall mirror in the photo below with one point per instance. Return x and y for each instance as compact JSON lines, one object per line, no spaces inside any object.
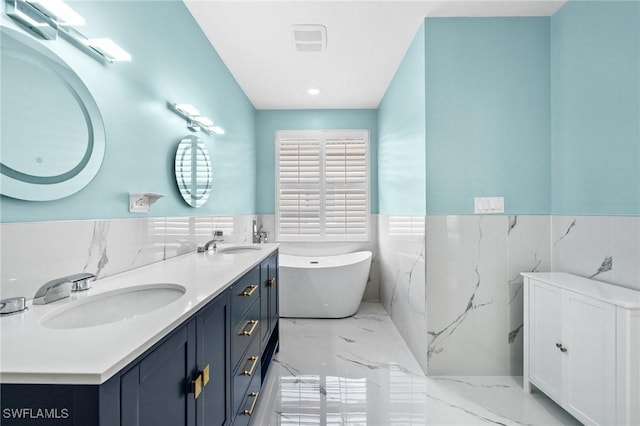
{"x":53,"y":138}
{"x":193,"y":171}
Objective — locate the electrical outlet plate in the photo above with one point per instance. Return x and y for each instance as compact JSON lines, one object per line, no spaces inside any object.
{"x":141,"y":202}
{"x":489,"y":205}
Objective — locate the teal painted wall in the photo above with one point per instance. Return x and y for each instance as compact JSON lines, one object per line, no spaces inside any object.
{"x":270,"y":121}
{"x":595,"y":104}
{"x":401,"y":127}
{"x":487,"y":114}
{"x":172,"y":61}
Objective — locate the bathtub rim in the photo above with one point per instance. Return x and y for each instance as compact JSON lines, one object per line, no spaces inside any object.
{"x":304,"y":261}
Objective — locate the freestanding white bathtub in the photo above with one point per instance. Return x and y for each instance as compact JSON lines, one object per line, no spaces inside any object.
{"x":322,"y":286}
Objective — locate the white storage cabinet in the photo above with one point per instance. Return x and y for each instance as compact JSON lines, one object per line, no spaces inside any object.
{"x":582,"y":346}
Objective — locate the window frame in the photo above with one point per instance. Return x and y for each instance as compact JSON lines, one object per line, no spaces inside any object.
{"x":323,"y":136}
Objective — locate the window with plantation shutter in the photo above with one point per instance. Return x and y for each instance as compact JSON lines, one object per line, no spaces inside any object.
{"x":322,"y":185}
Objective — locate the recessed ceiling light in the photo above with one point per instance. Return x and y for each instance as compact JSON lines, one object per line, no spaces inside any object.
{"x":313,"y":91}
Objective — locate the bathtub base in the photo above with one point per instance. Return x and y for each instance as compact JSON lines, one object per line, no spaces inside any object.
{"x":323,"y":287}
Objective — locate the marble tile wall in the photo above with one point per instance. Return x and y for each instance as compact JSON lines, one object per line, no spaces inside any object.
{"x":36,"y":252}
{"x":402,"y":279}
{"x":267,"y":223}
{"x":605,"y":248}
{"x":456,"y":296}
{"x":474,"y":290}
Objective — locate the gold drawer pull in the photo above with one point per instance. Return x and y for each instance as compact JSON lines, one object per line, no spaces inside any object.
{"x":271,"y":282}
{"x":205,"y":375}
{"x":254,"y":395}
{"x":251,"y":289}
{"x":253,"y":324}
{"x":249,"y":372}
{"x":196,"y":386}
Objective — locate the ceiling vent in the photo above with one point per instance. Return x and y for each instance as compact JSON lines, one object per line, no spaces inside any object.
{"x":309,"y":38}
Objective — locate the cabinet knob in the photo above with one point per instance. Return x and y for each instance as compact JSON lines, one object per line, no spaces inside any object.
{"x":249,"y":290}
{"x":271,"y":282}
{"x":253,"y":324}
{"x":196,"y":386}
{"x":205,"y":375}
{"x":254,"y":361}
{"x":253,"y":395}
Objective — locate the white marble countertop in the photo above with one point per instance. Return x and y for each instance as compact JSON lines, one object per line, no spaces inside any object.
{"x":610,"y":293}
{"x":31,"y":353}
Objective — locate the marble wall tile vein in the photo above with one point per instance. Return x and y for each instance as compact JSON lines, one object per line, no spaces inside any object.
{"x":605,"y":248}
{"x":474,"y":290}
{"x":402,"y":278}
{"x":36,"y":252}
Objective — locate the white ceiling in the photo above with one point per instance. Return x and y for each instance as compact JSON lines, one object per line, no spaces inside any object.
{"x":366,"y":40}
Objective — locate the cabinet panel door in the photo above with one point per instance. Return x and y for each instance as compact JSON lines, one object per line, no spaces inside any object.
{"x":545,"y":335}
{"x":155,"y":392}
{"x":273,"y":291}
{"x":268,"y":296}
{"x":589,"y":329}
{"x":213,"y":324}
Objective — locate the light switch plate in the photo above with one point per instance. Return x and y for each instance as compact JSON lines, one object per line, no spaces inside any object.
{"x":489,"y":205}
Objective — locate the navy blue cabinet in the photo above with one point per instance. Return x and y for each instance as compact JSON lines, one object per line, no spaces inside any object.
{"x":185,"y":379}
{"x":206,"y":372}
{"x":156,"y":390}
{"x":213,"y":405}
{"x":269,"y":314}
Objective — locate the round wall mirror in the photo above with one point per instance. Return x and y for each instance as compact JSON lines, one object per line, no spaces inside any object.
{"x":193,"y":171}
{"x":53,"y":138}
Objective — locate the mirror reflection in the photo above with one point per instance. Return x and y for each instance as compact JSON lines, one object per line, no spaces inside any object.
{"x":52,"y":133}
{"x":193,"y":171}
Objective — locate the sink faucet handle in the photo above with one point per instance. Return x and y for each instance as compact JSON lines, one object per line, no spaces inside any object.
{"x":80,"y":282}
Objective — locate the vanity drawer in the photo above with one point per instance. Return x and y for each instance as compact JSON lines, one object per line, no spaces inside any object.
{"x":244,"y":333}
{"x":243,"y":293}
{"x":247,"y":408}
{"x":246,"y":372}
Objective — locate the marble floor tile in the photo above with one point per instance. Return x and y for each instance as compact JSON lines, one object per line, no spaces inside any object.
{"x":358,"y":371}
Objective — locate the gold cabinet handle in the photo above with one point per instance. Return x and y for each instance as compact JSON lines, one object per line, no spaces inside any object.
{"x":254,"y":395}
{"x":271,"y":282}
{"x":254,"y":360}
{"x":205,"y":375}
{"x":253,"y":324}
{"x":196,"y":386}
{"x":249,"y":290}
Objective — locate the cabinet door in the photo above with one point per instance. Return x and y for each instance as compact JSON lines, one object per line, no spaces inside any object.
{"x":273,"y":291}
{"x":156,"y":391}
{"x":213,"y":325}
{"x":268,"y":296}
{"x":590,"y":342}
{"x":545,"y":361}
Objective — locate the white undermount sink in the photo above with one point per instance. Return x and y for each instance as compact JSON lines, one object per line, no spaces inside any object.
{"x":113,"y":306}
{"x":238,"y":249}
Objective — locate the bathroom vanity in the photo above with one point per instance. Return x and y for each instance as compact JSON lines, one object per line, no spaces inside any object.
{"x":582,"y":346}
{"x":199,"y":360}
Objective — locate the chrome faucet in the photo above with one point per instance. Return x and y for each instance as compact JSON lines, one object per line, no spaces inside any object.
{"x":217,"y":238}
{"x":62,"y":287}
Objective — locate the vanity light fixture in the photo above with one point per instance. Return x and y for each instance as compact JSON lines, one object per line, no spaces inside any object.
{"x":48,"y":18}
{"x":61,"y":11}
{"x":195,"y":121}
{"x":109,"y":49}
{"x":32,"y":18}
